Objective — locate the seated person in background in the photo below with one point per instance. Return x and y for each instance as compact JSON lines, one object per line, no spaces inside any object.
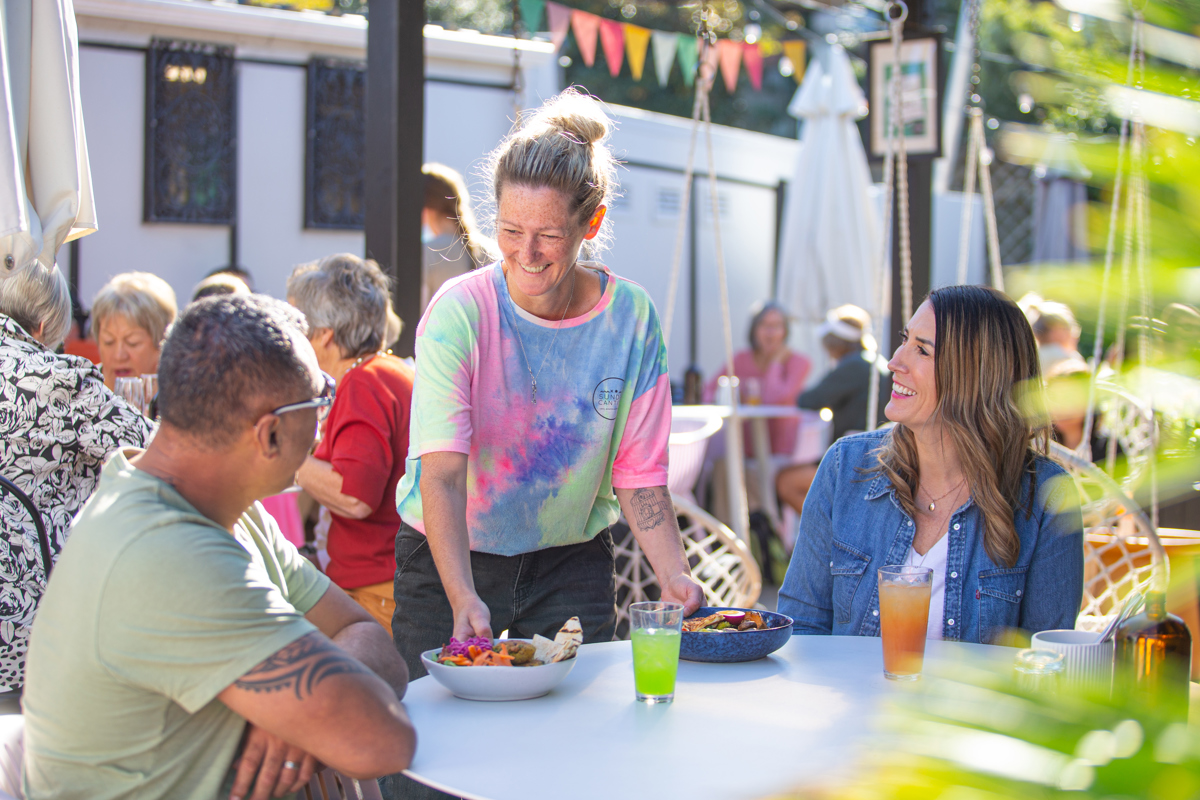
{"x":844,"y":390}
{"x":130,"y":316}
{"x":218,"y":284}
{"x":65,"y":424}
{"x":769,"y":373}
{"x":1055,"y":329}
{"x":179,"y":623}
{"x":362,"y":453}
{"x":960,"y":484}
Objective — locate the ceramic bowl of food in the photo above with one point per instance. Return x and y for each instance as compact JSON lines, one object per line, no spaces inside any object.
{"x":728,"y":644}
{"x":496,"y":683}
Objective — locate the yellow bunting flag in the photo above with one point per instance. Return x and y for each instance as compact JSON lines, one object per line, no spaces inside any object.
{"x":637,"y":39}
{"x":794,"y":51}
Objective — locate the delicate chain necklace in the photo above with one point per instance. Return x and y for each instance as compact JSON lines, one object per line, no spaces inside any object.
{"x":933,"y":503}
{"x":361,"y":359}
{"x":533,"y":378}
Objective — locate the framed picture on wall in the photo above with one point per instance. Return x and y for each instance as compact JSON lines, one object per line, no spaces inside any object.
{"x":920,"y":92}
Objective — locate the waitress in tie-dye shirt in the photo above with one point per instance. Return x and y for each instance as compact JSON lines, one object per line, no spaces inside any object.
{"x":541,"y":411}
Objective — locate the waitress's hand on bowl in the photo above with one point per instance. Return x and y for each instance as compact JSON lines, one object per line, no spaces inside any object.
{"x":472,"y":618}
{"x":684,"y":589}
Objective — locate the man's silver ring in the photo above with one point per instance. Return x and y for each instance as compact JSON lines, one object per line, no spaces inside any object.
{"x":290,"y":765}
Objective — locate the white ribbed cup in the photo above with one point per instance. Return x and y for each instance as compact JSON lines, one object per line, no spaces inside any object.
{"x":1087,"y":664}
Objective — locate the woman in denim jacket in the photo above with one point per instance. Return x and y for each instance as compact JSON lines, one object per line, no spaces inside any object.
{"x":960,"y":483}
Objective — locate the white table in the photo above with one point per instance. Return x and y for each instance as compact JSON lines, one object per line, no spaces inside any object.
{"x":757,"y":416}
{"x":799,"y":715}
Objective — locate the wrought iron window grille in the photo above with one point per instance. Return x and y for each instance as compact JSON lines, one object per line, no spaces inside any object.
{"x":191,"y":133}
{"x":335,"y":151}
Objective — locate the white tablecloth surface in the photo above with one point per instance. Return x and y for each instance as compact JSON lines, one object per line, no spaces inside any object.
{"x":796,"y":716}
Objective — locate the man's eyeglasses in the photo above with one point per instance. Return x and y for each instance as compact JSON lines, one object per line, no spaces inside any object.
{"x":324,"y":399}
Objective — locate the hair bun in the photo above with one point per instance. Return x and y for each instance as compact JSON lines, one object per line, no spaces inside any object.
{"x":574,"y":113}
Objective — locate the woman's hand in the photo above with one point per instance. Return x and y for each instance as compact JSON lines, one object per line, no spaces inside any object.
{"x":472,"y":618}
{"x":686,"y":590}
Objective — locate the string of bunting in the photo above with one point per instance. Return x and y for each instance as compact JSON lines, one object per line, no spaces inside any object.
{"x":621,"y":41}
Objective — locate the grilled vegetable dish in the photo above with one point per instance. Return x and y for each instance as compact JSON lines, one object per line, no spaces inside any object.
{"x":726,"y":622}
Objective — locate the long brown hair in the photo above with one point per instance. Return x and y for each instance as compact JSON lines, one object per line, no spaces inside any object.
{"x":990,"y":405}
{"x":447,"y":195}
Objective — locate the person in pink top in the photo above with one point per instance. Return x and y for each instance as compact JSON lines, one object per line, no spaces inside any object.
{"x":770,"y":374}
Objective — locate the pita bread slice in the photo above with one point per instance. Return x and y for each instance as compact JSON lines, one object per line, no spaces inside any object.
{"x":566,"y":643}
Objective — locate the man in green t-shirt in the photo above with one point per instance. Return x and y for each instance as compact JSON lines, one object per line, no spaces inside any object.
{"x":184,"y":649}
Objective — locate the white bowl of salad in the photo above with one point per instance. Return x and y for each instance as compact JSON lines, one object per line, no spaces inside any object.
{"x":478,"y":669}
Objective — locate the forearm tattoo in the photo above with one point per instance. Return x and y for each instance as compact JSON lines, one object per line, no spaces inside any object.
{"x":651,"y":507}
{"x":301,"y":667}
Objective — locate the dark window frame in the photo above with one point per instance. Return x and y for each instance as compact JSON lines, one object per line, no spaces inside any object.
{"x":316,"y":215}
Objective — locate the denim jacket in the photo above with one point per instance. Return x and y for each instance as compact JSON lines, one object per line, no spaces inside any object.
{"x":853,"y":524}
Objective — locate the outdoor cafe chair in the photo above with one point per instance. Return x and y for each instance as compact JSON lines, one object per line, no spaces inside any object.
{"x":687,"y":448}
{"x":1122,"y":551}
{"x":720,"y":561}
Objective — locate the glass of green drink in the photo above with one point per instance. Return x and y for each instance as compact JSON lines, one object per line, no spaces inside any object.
{"x":655,"y":628}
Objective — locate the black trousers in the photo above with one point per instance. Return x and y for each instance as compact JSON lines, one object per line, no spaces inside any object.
{"x":526,"y":594}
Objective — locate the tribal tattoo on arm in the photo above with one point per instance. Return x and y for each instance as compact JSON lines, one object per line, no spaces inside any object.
{"x":300,"y":666}
{"x":651,"y":507}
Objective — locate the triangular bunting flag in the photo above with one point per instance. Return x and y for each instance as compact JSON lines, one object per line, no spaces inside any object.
{"x":637,"y":39}
{"x":664,"y":54}
{"x":612,"y":39}
{"x":531,"y":14}
{"x":686,"y":47}
{"x":559,"y":17}
{"x":794,"y":51}
{"x":752,"y":58}
{"x":585,"y":26}
{"x":729,"y":53}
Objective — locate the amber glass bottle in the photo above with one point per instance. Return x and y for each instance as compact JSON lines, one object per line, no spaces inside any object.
{"x":1152,"y":660}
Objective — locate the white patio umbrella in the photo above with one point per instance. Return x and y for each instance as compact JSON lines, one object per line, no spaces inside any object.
{"x":45,"y":180}
{"x":830,"y":247}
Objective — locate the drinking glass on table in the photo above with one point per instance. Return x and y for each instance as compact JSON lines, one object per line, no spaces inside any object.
{"x":655,"y":631}
{"x":150,"y":389}
{"x":752,"y":392}
{"x":904,"y":619}
{"x":133,"y":391}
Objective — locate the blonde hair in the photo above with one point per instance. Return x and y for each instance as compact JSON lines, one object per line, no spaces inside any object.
{"x":1046,"y":316}
{"x":564,"y":146}
{"x":989,"y":403}
{"x":144,"y":299}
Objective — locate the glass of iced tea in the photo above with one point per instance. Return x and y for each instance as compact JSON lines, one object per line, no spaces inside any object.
{"x":904,"y":619}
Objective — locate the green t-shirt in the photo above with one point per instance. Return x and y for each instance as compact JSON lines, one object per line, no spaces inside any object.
{"x":152,"y":611}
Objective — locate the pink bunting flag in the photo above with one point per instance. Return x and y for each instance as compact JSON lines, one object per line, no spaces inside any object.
{"x":585,"y":26}
{"x":752,"y":58}
{"x":559,"y":18}
{"x":612,"y":39}
{"x":729,"y":54}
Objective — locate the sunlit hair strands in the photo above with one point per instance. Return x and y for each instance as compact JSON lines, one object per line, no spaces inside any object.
{"x":562,"y":145}
{"x":990,"y":408}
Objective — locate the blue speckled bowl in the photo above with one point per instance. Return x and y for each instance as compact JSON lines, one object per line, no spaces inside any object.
{"x":737,"y":646}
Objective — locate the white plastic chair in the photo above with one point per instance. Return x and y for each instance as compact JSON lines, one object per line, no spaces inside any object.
{"x":686,"y":449}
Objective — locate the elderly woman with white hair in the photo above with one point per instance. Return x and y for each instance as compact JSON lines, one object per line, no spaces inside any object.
{"x":58,"y":423}
{"x":130,"y":318}
{"x":361,"y":456}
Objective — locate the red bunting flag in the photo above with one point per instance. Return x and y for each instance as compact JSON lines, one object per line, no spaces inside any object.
{"x":752,"y":58}
{"x":559,"y":18}
{"x":729,"y":54}
{"x":585,"y":26}
{"x":612,"y":39}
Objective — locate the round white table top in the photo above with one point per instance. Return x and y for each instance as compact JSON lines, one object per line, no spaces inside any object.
{"x":791,"y":718}
{"x":745,"y":411}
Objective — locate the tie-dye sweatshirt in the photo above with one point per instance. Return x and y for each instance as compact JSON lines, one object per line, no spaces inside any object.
{"x":539,"y":475}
